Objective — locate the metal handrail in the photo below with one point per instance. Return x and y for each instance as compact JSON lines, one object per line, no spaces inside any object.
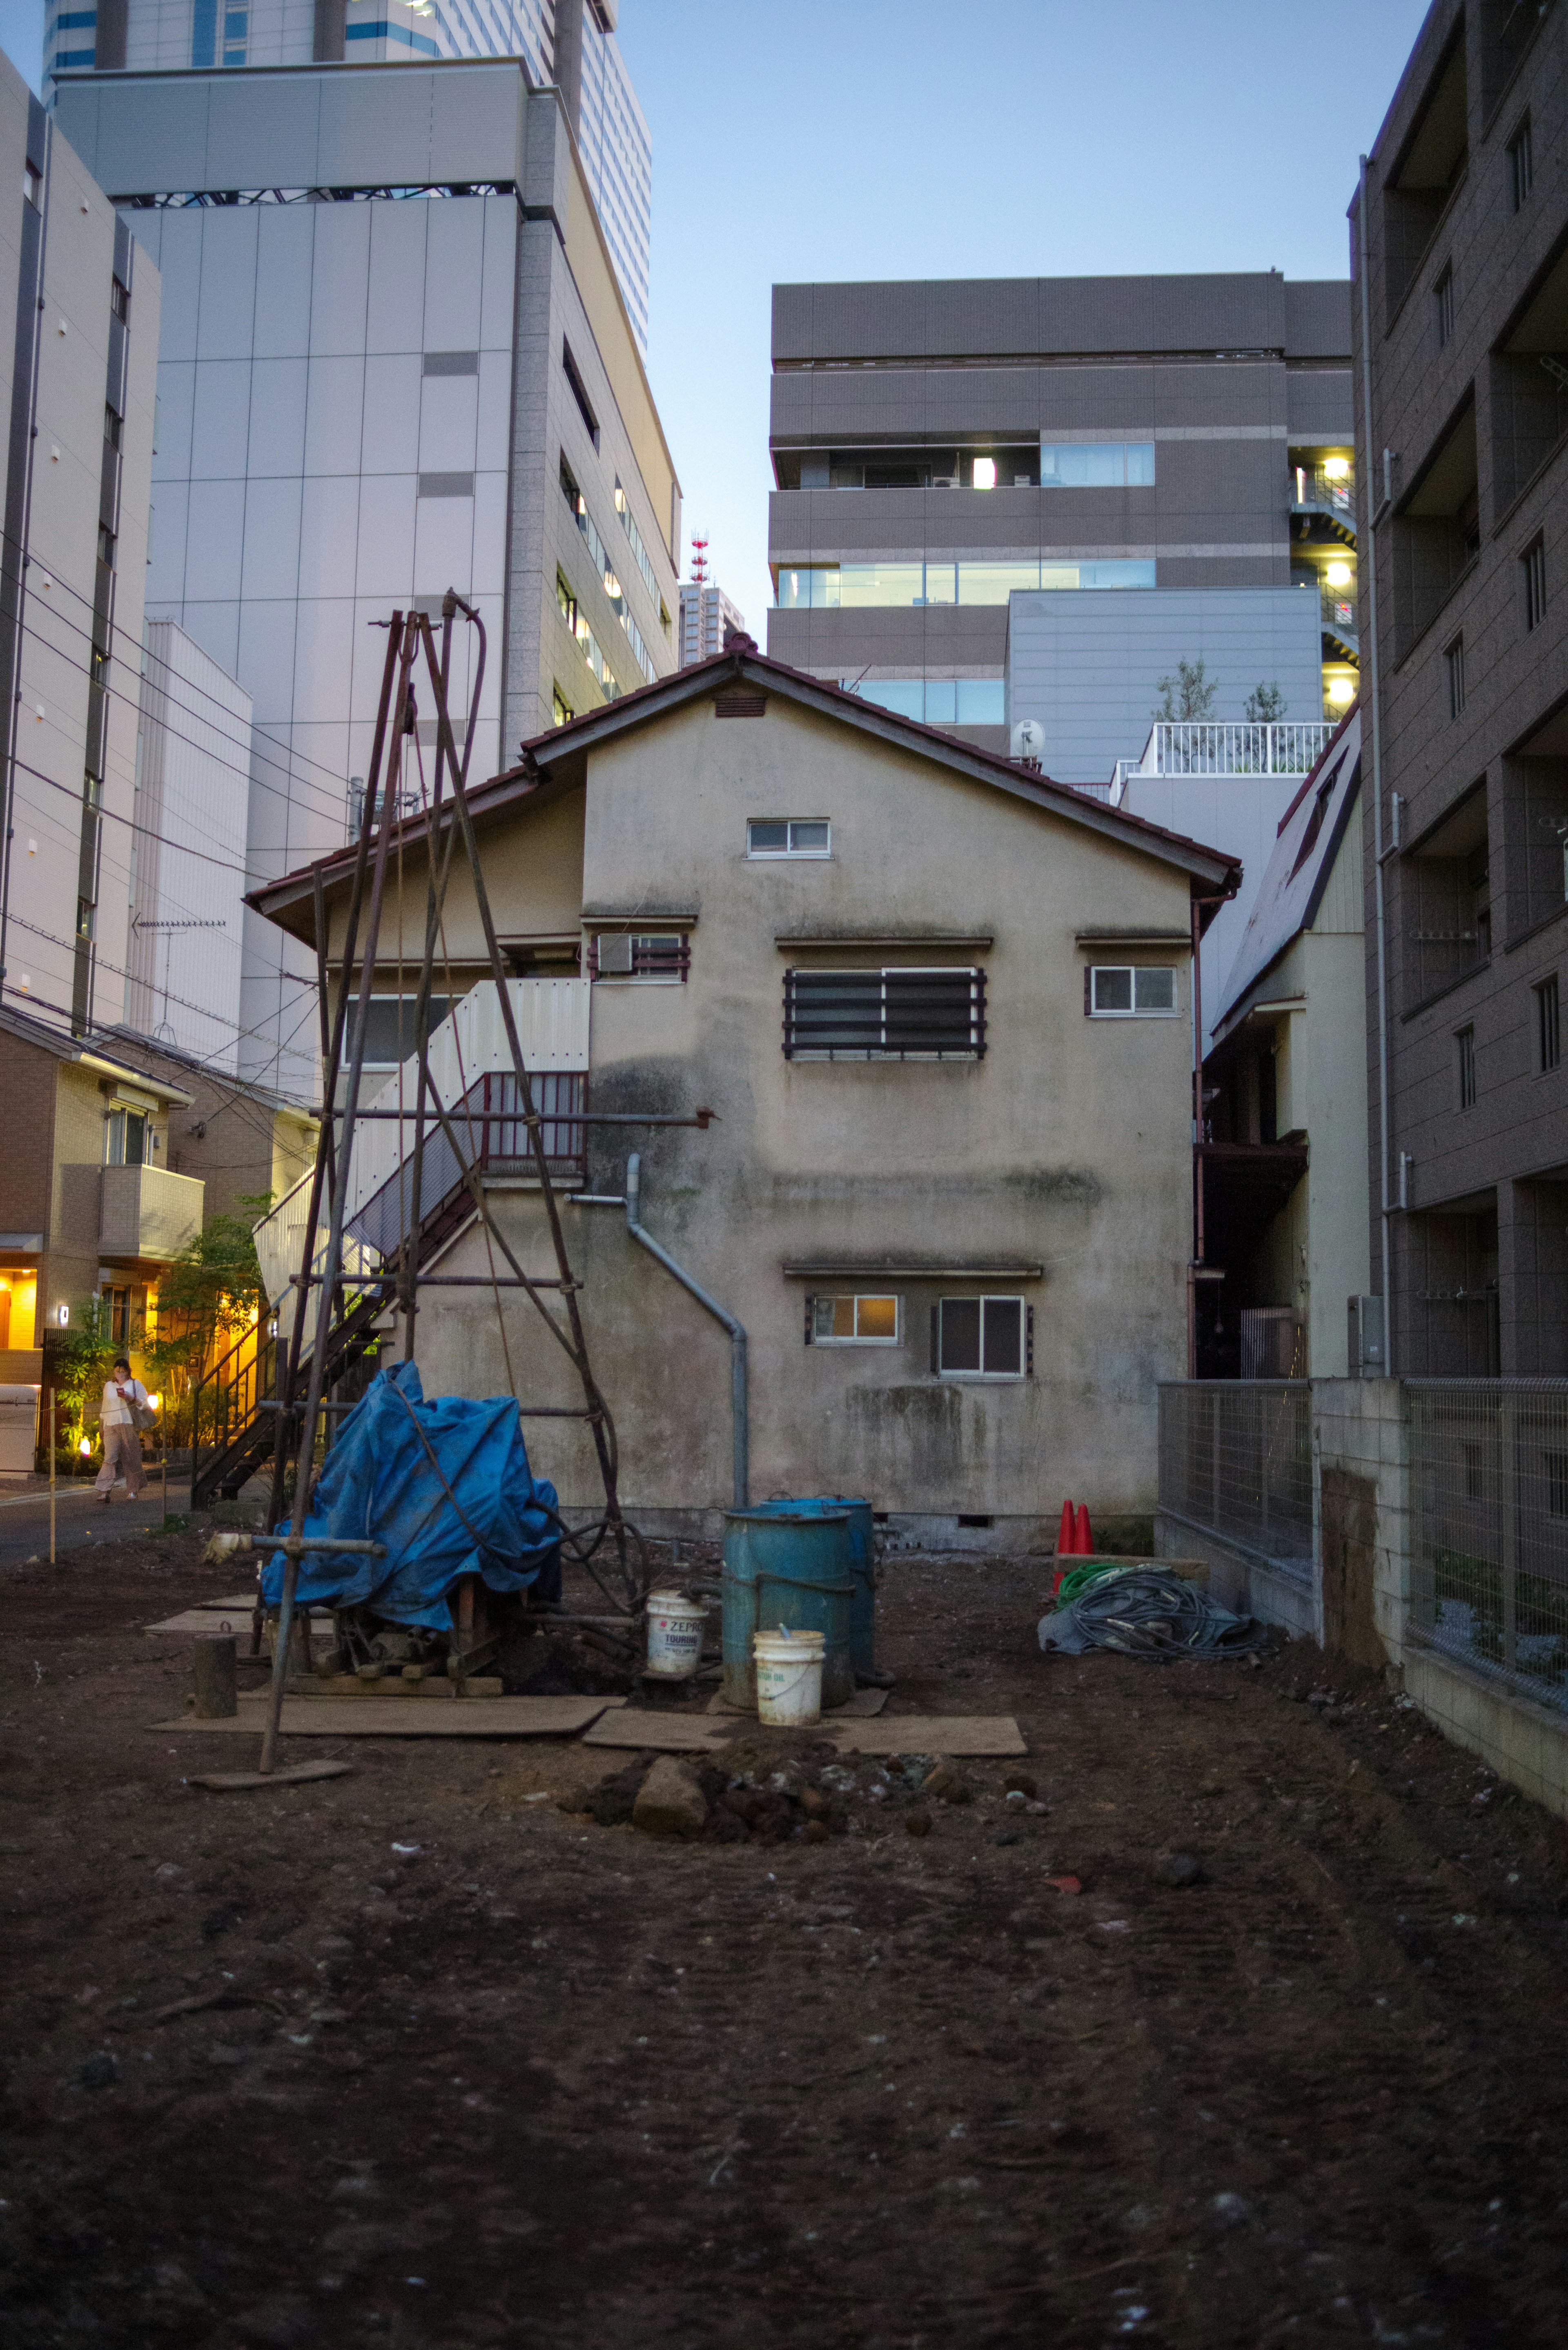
{"x":1225,"y":748}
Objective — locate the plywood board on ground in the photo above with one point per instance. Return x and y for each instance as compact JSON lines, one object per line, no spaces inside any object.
{"x":859,"y":1708}
{"x":902,"y":1733}
{"x":496,"y":1717}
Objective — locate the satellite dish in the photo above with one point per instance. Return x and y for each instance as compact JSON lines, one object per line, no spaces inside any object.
{"x":1029,"y":740}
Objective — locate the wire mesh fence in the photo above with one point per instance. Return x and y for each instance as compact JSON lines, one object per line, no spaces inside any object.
{"x":1235,"y":1456}
{"x":1489,"y":1551}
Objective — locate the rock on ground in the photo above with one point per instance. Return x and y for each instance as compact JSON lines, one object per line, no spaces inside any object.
{"x":669,"y":1802}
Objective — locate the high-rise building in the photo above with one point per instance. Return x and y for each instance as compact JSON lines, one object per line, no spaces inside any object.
{"x":367,"y":396}
{"x":82,"y":309}
{"x":1461,"y":350}
{"x":571,"y":43}
{"x":939,"y":447}
{"x":706,"y":612}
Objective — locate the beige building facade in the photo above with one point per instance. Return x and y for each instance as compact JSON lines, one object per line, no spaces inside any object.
{"x":939,"y":1009}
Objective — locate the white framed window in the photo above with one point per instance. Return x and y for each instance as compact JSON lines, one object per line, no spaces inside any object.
{"x":658,"y":956}
{"x":899,"y":1014}
{"x":852,"y":1321}
{"x":1129,"y":991}
{"x":983,"y":1338}
{"x":127,"y":1139}
{"x":789,"y":836}
{"x":389,"y":1038}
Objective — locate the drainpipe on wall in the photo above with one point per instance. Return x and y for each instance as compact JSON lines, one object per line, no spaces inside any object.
{"x":1373,"y":706}
{"x":739,"y":1416}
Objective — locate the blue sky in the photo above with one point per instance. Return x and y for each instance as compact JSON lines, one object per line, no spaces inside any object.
{"x":833,"y":138}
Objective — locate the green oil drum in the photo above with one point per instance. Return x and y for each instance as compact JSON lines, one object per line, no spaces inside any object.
{"x":790,"y":1564}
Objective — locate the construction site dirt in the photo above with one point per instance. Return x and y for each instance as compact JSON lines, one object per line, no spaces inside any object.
{"x":1238,"y":2021}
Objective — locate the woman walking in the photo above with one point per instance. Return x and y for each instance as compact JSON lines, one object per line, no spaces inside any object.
{"x":120,"y":1416}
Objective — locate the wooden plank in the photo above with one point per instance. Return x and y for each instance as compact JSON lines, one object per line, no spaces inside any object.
{"x":902,"y":1733}
{"x":497,"y":1716}
{"x":350,"y":1688}
{"x":861,"y":1707}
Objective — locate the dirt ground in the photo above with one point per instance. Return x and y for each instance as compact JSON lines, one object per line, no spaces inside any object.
{"x":476,"y":2069}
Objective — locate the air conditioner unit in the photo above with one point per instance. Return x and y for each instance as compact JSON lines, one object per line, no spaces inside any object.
{"x":614,"y":954}
{"x":1368,"y":1351}
{"x":944,"y":481}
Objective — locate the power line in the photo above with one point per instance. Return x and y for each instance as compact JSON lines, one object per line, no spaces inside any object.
{"x":109,"y":1038}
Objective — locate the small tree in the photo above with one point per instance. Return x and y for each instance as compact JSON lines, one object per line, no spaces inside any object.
{"x":80,"y":1357}
{"x":209,"y":1294}
{"x":1265,"y":704}
{"x":1186,"y":697}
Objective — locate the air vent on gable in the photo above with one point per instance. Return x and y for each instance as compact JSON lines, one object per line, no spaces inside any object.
{"x":740,"y":703}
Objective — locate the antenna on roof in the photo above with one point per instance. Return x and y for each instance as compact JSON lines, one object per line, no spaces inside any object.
{"x":698,"y":562}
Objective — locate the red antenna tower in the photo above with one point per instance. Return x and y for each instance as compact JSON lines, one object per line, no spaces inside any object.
{"x":700,"y":562}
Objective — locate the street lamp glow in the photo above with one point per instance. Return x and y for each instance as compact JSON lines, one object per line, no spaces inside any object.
{"x":1341,"y":691}
{"x":1338,"y":575}
{"x":985,"y":472}
{"x":1337,"y":468}
{"x":85,"y":1446}
{"x":155,"y":1401}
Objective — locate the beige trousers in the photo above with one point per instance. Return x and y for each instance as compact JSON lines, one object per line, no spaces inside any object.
{"x":121,"y":1458}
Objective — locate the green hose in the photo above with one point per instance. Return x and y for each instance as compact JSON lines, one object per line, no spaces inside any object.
{"x":1093,"y":1570}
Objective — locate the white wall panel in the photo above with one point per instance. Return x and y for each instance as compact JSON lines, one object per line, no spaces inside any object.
{"x":220,"y":426}
{"x":394,"y":313}
{"x":454,"y":273}
{"x":166,"y":545}
{"x":339,"y":287}
{"x":215,"y":539}
{"x":386,"y":559}
{"x":227,"y":324}
{"x":279,"y":389}
{"x":391,"y":414}
{"x":443,"y":546}
{"x":329,"y":535}
{"x":492,"y":422}
{"x":449,"y":424}
{"x":490,"y":533}
{"x":323,"y":654}
{"x":272,"y":539}
{"x":499,"y":281}
{"x":180,"y":262}
{"x":215,"y":626}
{"x":266,"y":649}
{"x":285,"y":251}
{"x":332,"y":418}
{"x":176,"y":394}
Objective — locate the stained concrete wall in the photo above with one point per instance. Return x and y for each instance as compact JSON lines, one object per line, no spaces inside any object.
{"x":1064,"y":1147}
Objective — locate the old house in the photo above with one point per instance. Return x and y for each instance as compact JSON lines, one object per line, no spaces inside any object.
{"x":939,"y":1007}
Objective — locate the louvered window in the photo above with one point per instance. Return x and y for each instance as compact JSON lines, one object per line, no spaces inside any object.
{"x":906,"y":1014}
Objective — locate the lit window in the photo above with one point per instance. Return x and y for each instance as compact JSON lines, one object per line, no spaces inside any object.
{"x":1096,"y":465}
{"x":852,"y":1322}
{"x":775,"y":837}
{"x":1129,"y":991}
{"x":561,"y":710}
{"x":985,"y":472}
{"x":983,"y":1339}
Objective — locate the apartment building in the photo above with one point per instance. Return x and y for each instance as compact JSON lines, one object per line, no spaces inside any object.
{"x":941,"y":448}
{"x":76,"y":408}
{"x":395,"y":359}
{"x":1461,"y":355}
{"x":569,"y":43}
{"x":706,"y":616}
{"x":940,"y":1012}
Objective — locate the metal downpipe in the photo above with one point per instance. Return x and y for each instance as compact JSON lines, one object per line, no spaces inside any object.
{"x":739,"y":1412}
{"x":1374,"y":704}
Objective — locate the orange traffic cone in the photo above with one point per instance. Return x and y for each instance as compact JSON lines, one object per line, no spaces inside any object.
{"x":1083,"y":1539}
{"x":1065,"y":1532}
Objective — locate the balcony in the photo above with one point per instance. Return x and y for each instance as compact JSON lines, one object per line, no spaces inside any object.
{"x":147,"y":1212}
{"x":1201,"y":747}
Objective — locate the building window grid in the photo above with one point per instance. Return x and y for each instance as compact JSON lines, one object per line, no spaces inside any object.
{"x":1465,"y":1044}
{"x":1548,"y":1026}
{"x":1533,"y":563}
{"x":609,"y":578}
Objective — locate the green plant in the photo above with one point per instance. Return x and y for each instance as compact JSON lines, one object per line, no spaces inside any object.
{"x":1265,"y":705}
{"x":1188,"y":696}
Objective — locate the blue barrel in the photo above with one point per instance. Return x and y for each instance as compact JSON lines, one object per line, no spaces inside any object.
{"x":862,"y":1565}
{"x":784,"y":1565}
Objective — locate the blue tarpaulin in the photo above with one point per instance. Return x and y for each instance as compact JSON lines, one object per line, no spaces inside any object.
{"x":379,"y":1483}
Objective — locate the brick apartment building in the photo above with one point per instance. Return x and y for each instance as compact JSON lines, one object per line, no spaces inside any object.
{"x":1459,"y":236}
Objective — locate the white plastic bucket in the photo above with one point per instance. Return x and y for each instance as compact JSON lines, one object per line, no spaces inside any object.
{"x":789,"y":1677}
{"x":675,"y":1627}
